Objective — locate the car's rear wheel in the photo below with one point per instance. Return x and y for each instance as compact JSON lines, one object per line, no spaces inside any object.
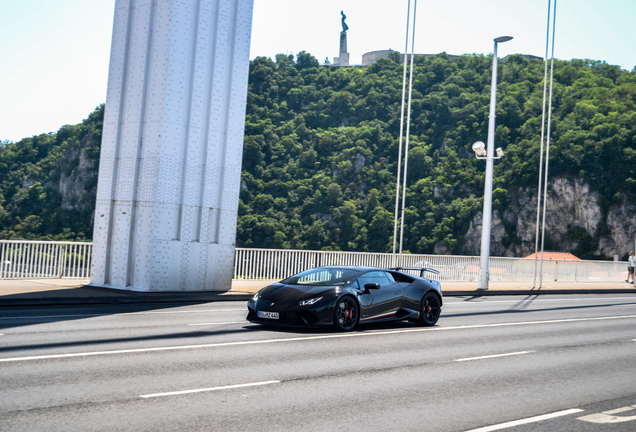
{"x":429,"y":310}
{"x":346,"y":314}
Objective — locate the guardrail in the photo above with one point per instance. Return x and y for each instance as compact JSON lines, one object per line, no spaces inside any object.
{"x":22,"y":259}
{"x":41,"y":259}
{"x":254,"y":264}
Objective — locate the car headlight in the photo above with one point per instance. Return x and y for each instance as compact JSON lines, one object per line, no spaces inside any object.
{"x":255,"y":297}
{"x":309,"y":301}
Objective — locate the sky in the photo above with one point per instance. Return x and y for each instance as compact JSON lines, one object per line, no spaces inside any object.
{"x":54,"y":54}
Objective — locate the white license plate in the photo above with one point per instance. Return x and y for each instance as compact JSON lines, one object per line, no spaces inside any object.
{"x":270,"y":315}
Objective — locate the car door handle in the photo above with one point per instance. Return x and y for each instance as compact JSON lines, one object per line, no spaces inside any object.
{"x":398,"y":292}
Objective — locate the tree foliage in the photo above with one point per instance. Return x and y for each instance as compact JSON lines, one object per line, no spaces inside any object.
{"x":321,"y":145}
{"x":35,"y":177}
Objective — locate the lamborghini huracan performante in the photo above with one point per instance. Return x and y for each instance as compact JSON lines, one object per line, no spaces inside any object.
{"x":344,"y":297}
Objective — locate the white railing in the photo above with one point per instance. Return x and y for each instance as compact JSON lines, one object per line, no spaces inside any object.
{"x":252,"y":264}
{"x":40,"y":259}
{"x":22,"y":259}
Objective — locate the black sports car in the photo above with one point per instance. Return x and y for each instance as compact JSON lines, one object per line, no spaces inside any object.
{"x":345,"y":296}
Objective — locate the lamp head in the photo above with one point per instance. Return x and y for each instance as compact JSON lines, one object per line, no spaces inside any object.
{"x":479,"y":148}
{"x":501,"y":39}
{"x":500,"y":152}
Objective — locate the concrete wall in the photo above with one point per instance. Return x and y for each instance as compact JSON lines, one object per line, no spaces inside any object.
{"x":373,"y":56}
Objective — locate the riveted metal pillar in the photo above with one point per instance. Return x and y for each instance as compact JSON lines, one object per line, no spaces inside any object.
{"x":170,"y":166}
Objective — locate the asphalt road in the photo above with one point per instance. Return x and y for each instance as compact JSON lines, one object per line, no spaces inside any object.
{"x":569,"y":359}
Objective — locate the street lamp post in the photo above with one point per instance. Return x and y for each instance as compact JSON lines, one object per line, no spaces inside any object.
{"x":484,"y":274}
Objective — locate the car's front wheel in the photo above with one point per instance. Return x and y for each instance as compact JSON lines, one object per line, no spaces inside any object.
{"x":346,"y":314}
{"x":429,"y":310}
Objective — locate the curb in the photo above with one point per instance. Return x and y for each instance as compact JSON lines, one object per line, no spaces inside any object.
{"x":142,"y":299}
{"x":487,"y":293}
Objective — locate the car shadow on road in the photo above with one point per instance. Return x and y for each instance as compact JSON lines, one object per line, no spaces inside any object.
{"x":326,"y":330}
{"x":515,"y":309}
{"x":24,"y":316}
{"x":181,"y":337}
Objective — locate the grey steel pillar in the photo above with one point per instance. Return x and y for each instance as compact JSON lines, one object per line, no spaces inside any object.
{"x":170,"y":165}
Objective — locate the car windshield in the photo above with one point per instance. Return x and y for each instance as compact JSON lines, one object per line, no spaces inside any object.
{"x":322,"y":276}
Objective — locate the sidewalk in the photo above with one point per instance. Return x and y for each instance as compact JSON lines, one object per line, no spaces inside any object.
{"x":59,"y":292}
{"x":45,"y":292}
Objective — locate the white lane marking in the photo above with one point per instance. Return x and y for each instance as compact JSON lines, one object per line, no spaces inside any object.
{"x":307,"y":338}
{"x":219,"y":323}
{"x":527,"y":420}
{"x":619,"y":410}
{"x":123,"y":314}
{"x":493,"y":356}
{"x":209,"y":389}
{"x":609,"y":417}
{"x":178,"y":312}
{"x":477,"y":303}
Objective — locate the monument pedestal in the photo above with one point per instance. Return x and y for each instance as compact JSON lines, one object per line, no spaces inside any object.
{"x":343,"y":57}
{"x":343,"y":60}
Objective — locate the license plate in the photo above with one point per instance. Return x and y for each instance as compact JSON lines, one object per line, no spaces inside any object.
{"x":270,"y":315}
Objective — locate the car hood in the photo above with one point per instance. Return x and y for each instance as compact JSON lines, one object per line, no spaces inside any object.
{"x":290,"y":293}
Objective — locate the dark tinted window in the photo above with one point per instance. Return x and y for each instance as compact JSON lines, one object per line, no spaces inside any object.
{"x":399,"y":277}
{"x":378,"y":277}
{"x":355,"y":284}
{"x":321,"y":276}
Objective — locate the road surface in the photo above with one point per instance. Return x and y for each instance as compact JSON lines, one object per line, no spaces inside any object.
{"x":516,"y":363}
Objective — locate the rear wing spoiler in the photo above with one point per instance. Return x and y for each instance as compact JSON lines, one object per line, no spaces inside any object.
{"x":420,"y":269}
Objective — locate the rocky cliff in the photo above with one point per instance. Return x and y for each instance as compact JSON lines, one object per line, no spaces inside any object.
{"x":574,"y":222}
{"x":77,"y":186}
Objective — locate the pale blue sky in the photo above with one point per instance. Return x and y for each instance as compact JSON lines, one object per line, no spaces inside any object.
{"x":54,"y":53}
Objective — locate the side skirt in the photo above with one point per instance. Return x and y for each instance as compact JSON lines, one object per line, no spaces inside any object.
{"x":395,"y":314}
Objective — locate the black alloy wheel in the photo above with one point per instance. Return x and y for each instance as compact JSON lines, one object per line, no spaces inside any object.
{"x":431,"y":309}
{"x":346,"y":314}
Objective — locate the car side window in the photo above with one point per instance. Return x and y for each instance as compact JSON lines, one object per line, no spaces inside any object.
{"x":378,"y":277}
{"x":389,"y":277}
{"x":355,"y":284}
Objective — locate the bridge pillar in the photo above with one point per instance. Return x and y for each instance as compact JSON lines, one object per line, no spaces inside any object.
{"x":170,"y":164}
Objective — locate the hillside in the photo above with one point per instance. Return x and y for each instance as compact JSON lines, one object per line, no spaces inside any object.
{"x":320,"y":159}
{"x":48,"y":183}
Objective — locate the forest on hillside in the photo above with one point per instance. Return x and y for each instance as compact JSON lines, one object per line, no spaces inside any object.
{"x":48,"y":183}
{"x":321,"y":149}
{"x":321,"y":146}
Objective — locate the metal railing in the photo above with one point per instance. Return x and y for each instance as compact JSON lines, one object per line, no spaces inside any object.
{"x":253,"y":264}
{"x":22,"y":259}
{"x":41,"y":259}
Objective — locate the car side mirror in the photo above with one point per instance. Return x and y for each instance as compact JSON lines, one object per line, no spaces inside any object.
{"x":371,"y":286}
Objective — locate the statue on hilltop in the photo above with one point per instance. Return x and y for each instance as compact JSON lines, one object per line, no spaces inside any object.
{"x":345,"y":27}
